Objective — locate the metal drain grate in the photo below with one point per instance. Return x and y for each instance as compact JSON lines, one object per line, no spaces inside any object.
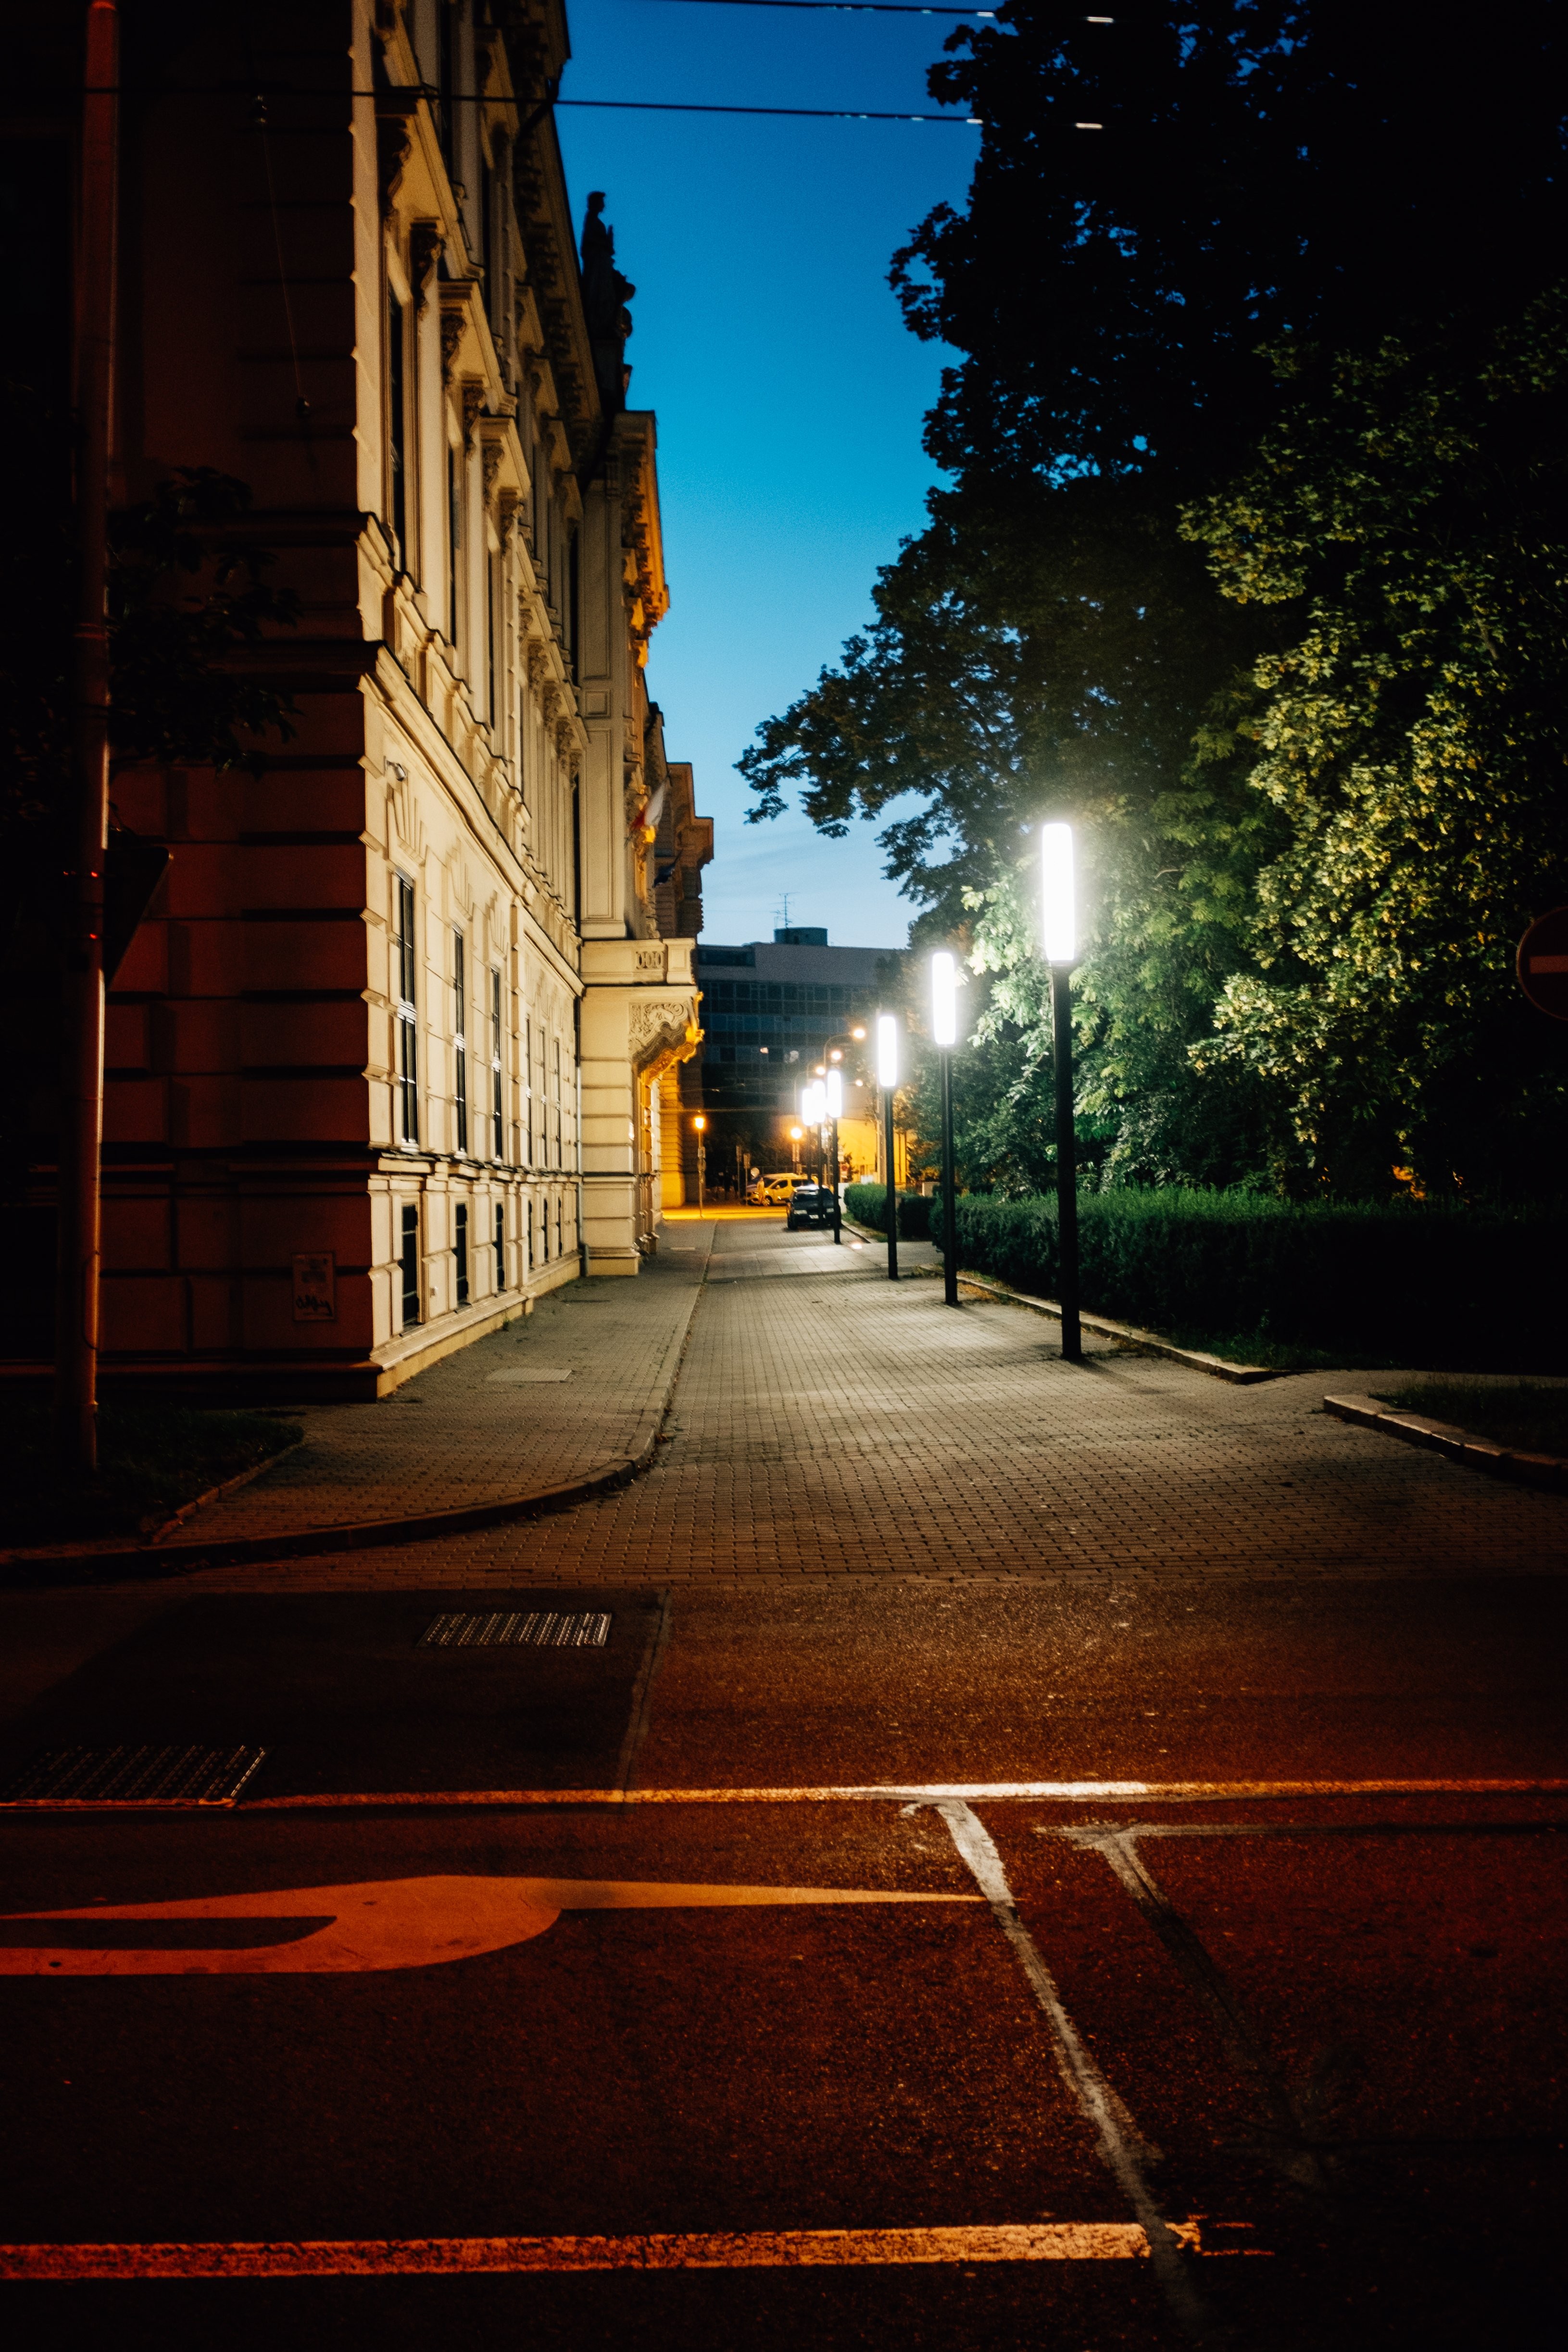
{"x":543,"y":1629}
{"x":132,"y":1776}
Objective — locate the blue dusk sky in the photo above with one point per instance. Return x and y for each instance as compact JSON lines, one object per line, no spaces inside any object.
{"x":789,"y":395}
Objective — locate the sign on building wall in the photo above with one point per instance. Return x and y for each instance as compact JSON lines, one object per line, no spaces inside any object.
{"x":315,"y":1286}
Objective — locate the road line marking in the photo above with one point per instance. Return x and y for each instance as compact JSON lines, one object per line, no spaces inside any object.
{"x":1076,"y":1832}
{"x":925,"y":1793}
{"x":387,"y":1922}
{"x":1112,"y":2125}
{"x":1027,"y":2242}
{"x":965,"y":1791}
{"x":1286,"y":2139}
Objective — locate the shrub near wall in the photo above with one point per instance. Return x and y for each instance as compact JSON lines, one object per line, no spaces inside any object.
{"x":1430,"y":1283}
{"x":867,"y":1204}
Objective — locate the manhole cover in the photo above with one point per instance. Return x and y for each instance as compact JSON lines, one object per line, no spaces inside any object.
{"x":543,"y":1629}
{"x":132,"y":1776}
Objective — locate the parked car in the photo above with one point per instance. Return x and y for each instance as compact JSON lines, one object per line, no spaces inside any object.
{"x":778,"y":1190}
{"x":811,"y":1206}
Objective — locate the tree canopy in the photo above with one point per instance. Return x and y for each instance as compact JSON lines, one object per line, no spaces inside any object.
{"x":1251,"y":563}
{"x":1261,"y":168}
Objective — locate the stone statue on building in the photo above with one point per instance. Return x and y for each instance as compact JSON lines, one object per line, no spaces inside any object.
{"x":606,"y":294}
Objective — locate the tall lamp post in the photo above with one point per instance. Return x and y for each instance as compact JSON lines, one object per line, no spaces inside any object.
{"x":887,"y":1079}
{"x":945,"y":1035}
{"x":833,"y":1082}
{"x":1059,"y":923}
{"x":699,"y":1123}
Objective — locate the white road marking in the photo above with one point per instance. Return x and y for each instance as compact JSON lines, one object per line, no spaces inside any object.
{"x":1112,"y":2125}
{"x":1025,"y":2242}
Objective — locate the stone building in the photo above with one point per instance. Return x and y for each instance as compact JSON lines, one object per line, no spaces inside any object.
{"x":388,"y":1055}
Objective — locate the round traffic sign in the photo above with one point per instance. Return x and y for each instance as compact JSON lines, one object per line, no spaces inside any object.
{"x":1542,"y":963}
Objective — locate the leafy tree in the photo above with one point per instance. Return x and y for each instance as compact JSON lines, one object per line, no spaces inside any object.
{"x":1409,"y":512}
{"x":1311,"y":175}
{"x":1262,"y":167}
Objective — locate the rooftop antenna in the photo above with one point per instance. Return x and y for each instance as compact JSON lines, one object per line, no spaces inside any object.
{"x":787,"y":897}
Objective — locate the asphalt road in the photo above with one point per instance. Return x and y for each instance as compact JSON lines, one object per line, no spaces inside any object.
{"x":702,"y":1989}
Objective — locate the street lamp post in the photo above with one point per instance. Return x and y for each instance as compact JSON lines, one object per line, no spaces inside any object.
{"x":1059,"y":939}
{"x":835,"y":1085}
{"x":699,"y":1123}
{"x":945,"y":1033}
{"x":887,"y":1079}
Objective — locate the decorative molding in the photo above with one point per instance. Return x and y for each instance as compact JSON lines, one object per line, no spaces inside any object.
{"x":473,"y":396}
{"x":426,"y":242}
{"x":660,"y":1030}
{"x":451,"y":337}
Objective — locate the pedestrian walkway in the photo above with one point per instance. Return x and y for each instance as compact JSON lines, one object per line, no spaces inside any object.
{"x":828,"y":1424}
{"x":575,"y":1388}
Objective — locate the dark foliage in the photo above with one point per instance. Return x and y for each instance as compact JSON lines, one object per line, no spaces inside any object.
{"x":1315,"y":168}
{"x":1422,"y":1284}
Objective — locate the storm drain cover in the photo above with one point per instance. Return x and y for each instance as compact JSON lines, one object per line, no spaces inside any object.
{"x":132,"y":1776}
{"x":543,"y":1629}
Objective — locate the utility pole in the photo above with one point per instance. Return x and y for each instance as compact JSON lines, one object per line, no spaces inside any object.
{"x":888,"y":1078}
{"x":944,"y":1035}
{"x":1058,"y":919}
{"x":81,"y":1090}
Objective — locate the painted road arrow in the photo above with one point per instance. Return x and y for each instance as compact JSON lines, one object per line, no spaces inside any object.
{"x":388,"y":1923}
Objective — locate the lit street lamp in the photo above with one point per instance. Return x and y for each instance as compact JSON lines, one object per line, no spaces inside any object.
{"x":699,"y":1123}
{"x":945,"y":1033}
{"x":1059,"y":929}
{"x":887,"y":1079}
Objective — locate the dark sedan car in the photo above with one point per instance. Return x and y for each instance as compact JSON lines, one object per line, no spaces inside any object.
{"x":812,"y":1205}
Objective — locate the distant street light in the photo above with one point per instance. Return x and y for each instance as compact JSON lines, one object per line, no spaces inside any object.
{"x":699,"y":1123}
{"x":887,"y":1079}
{"x":834,"y":1090}
{"x":945,"y":1033}
{"x":1058,"y":939}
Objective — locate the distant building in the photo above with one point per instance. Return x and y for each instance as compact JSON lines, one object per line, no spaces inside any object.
{"x":768,"y":1012}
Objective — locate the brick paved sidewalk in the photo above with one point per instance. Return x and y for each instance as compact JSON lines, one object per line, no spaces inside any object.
{"x":577,"y":1387}
{"x":835,"y":1427}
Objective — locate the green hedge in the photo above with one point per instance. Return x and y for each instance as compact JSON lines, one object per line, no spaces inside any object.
{"x":1423,"y":1282}
{"x":867,"y":1204}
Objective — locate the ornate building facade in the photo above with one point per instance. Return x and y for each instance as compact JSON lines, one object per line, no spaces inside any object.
{"x":387,"y":1057}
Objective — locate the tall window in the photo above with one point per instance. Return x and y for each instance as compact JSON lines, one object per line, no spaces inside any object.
{"x":528,"y":1086}
{"x":409,"y":1267}
{"x":491,"y":634}
{"x":497,"y":1107}
{"x":406,"y":1017}
{"x":460,"y":1040}
{"x":501,"y":1246}
{"x":397,"y":438}
{"x":454,"y":537}
{"x":555,"y":1102}
{"x":460,"y":1251}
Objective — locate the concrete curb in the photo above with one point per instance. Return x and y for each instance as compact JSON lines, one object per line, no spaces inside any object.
{"x":1547,"y":1471}
{"x":155,"y":1560}
{"x":1145,"y":1343}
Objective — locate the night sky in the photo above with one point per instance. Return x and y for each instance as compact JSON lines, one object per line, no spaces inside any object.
{"x":789,"y":395}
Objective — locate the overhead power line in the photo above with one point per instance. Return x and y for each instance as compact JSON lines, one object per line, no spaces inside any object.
{"x":823,"y":114}
{"x":856,"y":7}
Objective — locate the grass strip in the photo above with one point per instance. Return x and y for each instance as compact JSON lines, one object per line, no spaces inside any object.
{"x":1523,"y":1414}
{"x":152,"y":1460}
